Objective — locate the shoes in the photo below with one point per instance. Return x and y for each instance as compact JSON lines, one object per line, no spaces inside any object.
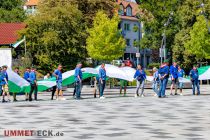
{"x":26,"y":99}
{"x":175,"y":94}
{"x":136,"y":96}
{"x":15,"y":100}
{"x":172,"y":94}
{"x":181,"y":94}
{"x":63,"y":99}
{"x":164,"y":96}
{"x":142,"y":95}
{"x":155,"y":95}
{"x":102,"y":97}
{"x":3,"y":101}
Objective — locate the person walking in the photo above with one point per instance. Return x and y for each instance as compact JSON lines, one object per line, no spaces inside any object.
{"x":26,"y":77}
{"x":140,"y":77}
{"x":78,"y":80}
{"x":155,"y":81}
{"x":194,"y":76}
{"x":174,"y":78}
{"x":58,"y":74}
{"x":163,"y":74}
{"x":33,"y":83}
{"x":123,"y":83}
{"x":102,"y":80}
{"x":5,"y":86}
{"x":181,"y":74}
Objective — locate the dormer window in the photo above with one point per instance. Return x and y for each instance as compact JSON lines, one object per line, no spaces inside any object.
{"x":128,"y":11}
{"x":121,"y":10}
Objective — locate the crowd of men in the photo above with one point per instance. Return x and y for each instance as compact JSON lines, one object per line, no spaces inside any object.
{"x":160,"y":81}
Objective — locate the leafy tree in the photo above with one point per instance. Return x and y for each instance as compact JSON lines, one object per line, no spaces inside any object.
{"x":55,"y":35}
{"x":155,"y":13}
{"x":199,"y":43}
{"x":11,"y":11}
{"x":105,"y":41}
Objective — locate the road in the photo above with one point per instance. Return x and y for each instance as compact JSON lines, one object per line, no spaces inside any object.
{"x":116,"y":117}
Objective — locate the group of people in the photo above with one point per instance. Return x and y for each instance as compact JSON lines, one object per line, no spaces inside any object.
{"x":161,"y":76}
{"x":160,"y":81}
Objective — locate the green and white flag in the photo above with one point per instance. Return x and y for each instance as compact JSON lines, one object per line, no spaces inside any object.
{"x":16,"y":83}
{"x":204,"y":73}
{"x":15,"y":45}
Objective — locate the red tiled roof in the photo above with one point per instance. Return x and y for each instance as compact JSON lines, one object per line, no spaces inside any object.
{"x":8,"y":32}
{"x":32,"y":2}
{"x":134,"y":6}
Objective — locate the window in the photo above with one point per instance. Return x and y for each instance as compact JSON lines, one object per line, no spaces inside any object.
{"x":121,"y":10}
{"x":128,"y":11}
{"x":128,"y":42}
{"x":127,"y":27}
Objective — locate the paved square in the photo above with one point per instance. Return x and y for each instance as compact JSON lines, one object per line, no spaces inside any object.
{"x":116,"y":117}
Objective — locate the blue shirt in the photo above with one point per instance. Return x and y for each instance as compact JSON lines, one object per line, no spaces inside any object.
{"x":4,"y":76}
{"x":194,"y":74}
{"x":140,"y":75}
{"x":102,"y":74}
{"x":181,"y":73}
{"x":174,"y":71}
{"x":59,"y":74}
{"x":26,"y":76}
{"x":156,"y":77}
{"x":32,"y":77}
{"x":164,"y":70}
{"x":77,"y":73}
{"x":1,"y":78}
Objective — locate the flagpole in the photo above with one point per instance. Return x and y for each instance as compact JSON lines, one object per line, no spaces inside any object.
{"x":25,"y":45}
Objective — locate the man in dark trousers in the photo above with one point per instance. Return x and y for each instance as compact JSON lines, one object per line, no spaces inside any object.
{"x":194,"y":79}
{"x":33,"y":83}
{"x":102,"y":80}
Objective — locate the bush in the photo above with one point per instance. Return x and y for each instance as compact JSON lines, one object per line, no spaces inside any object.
{"x":152,"y":65}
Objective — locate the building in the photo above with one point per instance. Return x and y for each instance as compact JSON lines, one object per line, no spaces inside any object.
{"x":131,"y":27}
{"x":30,"y":6}
{"x":8,"y":33}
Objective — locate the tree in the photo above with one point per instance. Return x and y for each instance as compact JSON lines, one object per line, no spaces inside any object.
{"x":55,"y":35}
{"x":105,"y":41}
{"x":11,"y":11}
{"x":199,"y":43}
{"x":155,"y":13}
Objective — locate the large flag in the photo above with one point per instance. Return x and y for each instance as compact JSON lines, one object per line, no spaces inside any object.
{"x":16,"y":83}
{"x":204,"y":73}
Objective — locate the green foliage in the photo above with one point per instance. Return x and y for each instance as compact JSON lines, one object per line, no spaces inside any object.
{"x":55,"y":35}
{"x":11,"y":11}
{"x":186,"y":34}
{"x":152,"y":65}
{"x":105,"y":41}
{"x":199,"y":43}
{"x":135,"y":28}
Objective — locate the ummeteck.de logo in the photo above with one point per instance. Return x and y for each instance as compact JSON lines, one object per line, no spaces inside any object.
{"x":25,"y":133}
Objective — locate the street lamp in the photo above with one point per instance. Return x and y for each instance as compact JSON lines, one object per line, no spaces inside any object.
{"x":202,"y":5}
{"x":163,"y":43}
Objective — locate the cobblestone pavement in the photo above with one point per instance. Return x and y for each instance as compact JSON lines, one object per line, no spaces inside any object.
{"x":116,"y":117}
